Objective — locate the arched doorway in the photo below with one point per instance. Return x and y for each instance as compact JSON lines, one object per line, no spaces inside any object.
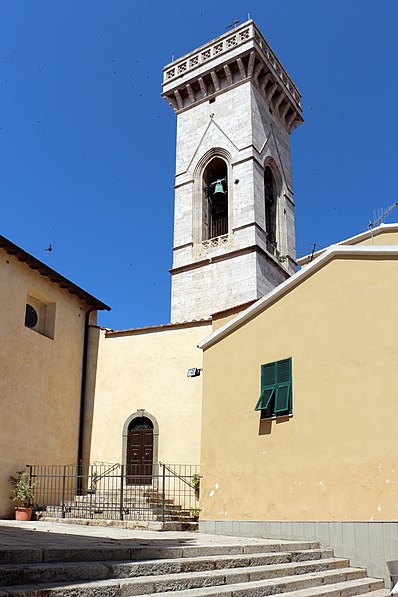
{"x":139,"y":453}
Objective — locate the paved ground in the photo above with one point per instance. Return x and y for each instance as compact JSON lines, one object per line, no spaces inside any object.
{"x":44,"y":535}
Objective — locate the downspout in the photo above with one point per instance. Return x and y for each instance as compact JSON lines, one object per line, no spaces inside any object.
{"x":83,"y":388}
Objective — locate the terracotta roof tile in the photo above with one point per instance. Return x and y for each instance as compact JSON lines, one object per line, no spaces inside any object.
{"x":158,"y":328}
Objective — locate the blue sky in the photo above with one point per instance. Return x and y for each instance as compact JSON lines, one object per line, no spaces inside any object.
{"x":87,"y":143}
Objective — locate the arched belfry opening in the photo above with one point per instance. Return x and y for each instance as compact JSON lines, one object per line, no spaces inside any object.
{"x":215,"y":199}
{"x":270,"y":201}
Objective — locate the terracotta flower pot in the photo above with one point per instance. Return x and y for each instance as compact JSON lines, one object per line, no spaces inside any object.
{"x":23,"y":513}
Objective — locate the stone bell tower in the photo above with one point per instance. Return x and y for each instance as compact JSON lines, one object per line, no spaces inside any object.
{"x":234,"y":235}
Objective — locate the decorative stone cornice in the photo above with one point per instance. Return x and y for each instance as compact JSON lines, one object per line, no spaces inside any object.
{"x":231,"y":254}
{"x":229,"y":60}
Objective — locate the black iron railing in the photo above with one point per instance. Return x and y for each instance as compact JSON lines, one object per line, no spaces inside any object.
{"x":218,"y":227}
{"x":159,"y":492}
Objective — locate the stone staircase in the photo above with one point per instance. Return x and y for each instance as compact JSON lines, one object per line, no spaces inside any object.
{"x":230,"y":568}
{"x":138,"y":503}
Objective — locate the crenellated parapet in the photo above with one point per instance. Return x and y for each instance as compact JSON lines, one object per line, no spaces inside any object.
{"x":226,"y":62}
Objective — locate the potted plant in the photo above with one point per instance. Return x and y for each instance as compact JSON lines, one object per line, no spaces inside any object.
{"x":23,"y":494}
{"x":194,"y":513}
{"x":196,"y":485}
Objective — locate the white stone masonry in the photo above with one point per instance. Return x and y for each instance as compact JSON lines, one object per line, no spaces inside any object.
{"x":234,"y":102}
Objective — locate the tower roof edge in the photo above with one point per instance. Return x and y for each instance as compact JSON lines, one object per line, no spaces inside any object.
{"x":224,"y":49}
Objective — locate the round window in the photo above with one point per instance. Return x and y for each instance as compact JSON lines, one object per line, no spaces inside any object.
{"x":31,"y":317}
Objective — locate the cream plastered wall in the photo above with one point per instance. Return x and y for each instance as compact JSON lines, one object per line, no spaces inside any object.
{"x":149,"y":371}
{"x":336,"y":458}
{"x":384,"y":237}
{"x":40,"y":378}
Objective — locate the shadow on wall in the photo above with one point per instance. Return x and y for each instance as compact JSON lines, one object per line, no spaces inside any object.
{"x":91,"y":374}
{"x":265,"y":425}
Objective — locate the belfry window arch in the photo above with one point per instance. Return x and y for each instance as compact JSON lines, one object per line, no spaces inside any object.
{"x":215,"y":198}
{"x":270,"y":207}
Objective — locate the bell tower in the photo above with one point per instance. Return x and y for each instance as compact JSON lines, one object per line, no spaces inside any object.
{"x":234,"y":235}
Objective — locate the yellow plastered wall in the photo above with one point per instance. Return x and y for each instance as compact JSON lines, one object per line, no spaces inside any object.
{"x":40,"y":377}
{"x":149,"y":371}
{"x":336,"y":457}
{"x":384,"y":237}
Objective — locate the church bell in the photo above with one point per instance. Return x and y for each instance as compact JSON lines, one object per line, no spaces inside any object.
{"x":218,"y":190}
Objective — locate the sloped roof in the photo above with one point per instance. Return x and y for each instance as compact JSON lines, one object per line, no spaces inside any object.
{"x":329,"y":254}
{"x":352,"y":240}
{"x":51,"y":274}
{"x":158,"y":328}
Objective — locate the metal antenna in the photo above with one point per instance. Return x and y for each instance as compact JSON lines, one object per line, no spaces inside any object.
{"x":313,"y":251}
{"x":248,"y":16}
{"x":380,"y":216}
{"x":314,"y":246}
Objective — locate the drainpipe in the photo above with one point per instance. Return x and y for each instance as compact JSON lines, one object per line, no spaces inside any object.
{"x":83,"y":401}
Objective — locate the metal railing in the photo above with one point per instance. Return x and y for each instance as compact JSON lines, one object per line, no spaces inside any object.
{"x":219,"y":227}
{"x":159,"y":492}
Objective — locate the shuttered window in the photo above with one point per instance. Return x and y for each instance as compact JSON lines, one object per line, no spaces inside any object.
{"x":276,"y":389}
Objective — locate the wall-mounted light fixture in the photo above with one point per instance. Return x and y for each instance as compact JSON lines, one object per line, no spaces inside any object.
{"x":194,"y":372}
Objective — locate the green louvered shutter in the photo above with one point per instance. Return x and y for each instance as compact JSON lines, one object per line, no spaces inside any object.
{"x":276,"y":388}
{"x":283,"y":371}
{"x":283,"y":386}
{"x":268,"y":385}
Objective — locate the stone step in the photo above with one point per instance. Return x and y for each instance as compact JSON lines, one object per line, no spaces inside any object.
{"x":370,"y":585}
{"x":380,"y":593}
{"x":351,"y":580}
{"x":115,"y":505}
{"x":113,"y":501}
{"x":80,"y":571}
{"x":140,"y":553}
{"x":343,"y":589}
{"x":92,"y":508}
{"x":112,"y":508}
{"x":97,"y":512}
{"x":158,"y":504}
{"x":274,"y":577}
{"x":128,"y":494}
{"x":129,"y":522}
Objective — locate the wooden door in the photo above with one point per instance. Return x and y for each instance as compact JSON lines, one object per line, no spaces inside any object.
{"x":139,"y":452}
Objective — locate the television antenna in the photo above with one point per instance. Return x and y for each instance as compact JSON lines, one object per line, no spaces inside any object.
{"x":379,"y":217}
{"x":310,"y":250}
{"x":314,"y":246}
